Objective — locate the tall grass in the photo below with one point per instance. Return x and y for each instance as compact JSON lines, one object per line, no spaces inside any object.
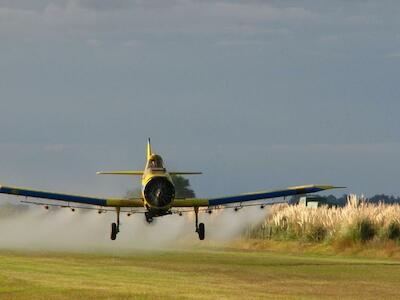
{"x":358,"y":221}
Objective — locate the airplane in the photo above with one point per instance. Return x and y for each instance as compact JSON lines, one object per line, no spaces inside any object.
{"x":158,"y":196}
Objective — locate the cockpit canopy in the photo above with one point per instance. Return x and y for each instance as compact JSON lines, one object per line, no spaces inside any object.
{"x":155,"y":162}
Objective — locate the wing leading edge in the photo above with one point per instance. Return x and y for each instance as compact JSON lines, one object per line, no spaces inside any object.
{"x":290,"y":191}
{"x":16,"y":191}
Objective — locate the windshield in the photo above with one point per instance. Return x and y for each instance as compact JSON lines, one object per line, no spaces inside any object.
{"x":156,"y":162}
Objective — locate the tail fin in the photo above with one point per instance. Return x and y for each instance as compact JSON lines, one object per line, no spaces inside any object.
{"x":149,"y":152}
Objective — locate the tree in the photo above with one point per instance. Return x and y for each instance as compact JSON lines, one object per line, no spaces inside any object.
{"x":182,"y":189}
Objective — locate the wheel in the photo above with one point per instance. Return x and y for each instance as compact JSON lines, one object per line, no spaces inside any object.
{"x":114,"y":231}
{"x":149,"y":218}
{"x":201,"y":231}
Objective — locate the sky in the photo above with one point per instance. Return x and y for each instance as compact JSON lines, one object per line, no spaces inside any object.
{"x":255,"y":94}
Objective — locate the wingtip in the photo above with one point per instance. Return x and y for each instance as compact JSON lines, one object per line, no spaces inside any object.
{"x":337,"y":187}
{"x":330,"y":187}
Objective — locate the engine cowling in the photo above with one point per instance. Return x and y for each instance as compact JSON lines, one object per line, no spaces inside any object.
{"x":159,"y":192}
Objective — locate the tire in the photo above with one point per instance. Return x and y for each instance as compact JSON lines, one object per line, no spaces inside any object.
{"x":202,"y":231}
{"x":114,"y":231}
{"x":149,"y":218}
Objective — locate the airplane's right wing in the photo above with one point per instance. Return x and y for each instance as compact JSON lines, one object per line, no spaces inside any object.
{"x":184,"y":173}
{"x":290,"y":191}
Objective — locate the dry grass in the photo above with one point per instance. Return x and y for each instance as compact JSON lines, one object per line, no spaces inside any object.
{"x":357,"y":222}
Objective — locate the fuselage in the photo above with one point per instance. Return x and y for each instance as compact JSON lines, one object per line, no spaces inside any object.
{"x":158,"y":190}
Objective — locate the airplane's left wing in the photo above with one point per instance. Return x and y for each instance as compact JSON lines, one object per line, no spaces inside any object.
{"x":290,"y":191}
{"x":16,"y":191}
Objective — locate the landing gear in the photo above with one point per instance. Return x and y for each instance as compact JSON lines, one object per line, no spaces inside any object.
{"x":149,"y":217}
{"x":201,"y":231}
{"x":114,"y":231}
{"x":115,"y":226}
{"x":200,"y":228}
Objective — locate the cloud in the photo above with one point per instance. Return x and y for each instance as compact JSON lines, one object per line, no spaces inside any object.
{"x":228,"y":43}
{"x":80,"y":17}
{"x":260,"y":12}
{"x":35,"y":5}
{"x":133,"y":43}
{"x":301,"y":72}
{"x":329,"y":39}
{"x":106,"y":4}
{"x":94,"y":43}
{"x":54,"y":147}
{"x":345,"y":148}
{"x":394,"y":55}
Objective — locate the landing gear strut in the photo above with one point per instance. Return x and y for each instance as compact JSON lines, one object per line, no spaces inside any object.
{"x":200,"y":228}
{"x":115,"y":226}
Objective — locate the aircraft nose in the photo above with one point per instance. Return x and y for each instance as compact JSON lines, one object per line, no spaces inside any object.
{"x":159,"y":192}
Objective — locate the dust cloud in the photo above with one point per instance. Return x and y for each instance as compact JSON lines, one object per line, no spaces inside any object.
{"x":87,"y":231}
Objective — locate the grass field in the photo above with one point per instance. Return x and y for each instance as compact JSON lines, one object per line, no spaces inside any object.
{"x":197,"y":274}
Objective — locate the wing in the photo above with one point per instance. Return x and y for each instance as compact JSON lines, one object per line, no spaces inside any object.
{"x":16,"y":191}
{"x":141,"y":173}
{"x":137,"y":173}
{"x":290,"y":191}
{"x":184,"y":173}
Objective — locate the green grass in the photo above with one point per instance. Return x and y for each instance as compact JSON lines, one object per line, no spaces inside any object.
{"x":201,"y":274}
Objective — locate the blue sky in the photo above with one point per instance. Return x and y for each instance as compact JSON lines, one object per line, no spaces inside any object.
{"x":256,"y":94}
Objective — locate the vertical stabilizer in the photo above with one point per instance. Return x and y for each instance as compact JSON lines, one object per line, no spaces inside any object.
{"x":149,"y":152}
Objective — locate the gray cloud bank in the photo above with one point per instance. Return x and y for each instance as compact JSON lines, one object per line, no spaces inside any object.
{"x":257,"y":94}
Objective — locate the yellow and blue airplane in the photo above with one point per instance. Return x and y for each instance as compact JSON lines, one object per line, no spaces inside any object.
{"x":158,"y":195}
